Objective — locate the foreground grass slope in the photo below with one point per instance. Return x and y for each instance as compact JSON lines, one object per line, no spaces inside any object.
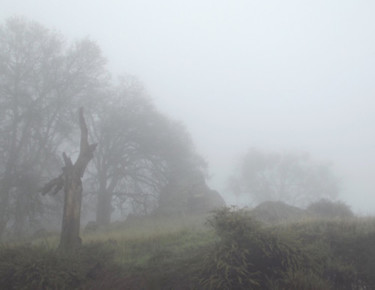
{"x":229,"y":250}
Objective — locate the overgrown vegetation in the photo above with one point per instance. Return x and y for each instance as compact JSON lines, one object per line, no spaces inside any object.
{"x":250,"y":256}
{"x":230,"y":250}
{"x":42,"y":268}
{"x":310,"y":254}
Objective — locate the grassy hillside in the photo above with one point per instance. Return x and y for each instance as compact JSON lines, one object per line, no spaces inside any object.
{"x":229,"y":250}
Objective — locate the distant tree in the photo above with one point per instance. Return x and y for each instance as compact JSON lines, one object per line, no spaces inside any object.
{"x":289,"y":177}
{"x":42,"y":81}
{"x":140,"y":152}
{"x":128,"y":168}
{"x":185,"y":190}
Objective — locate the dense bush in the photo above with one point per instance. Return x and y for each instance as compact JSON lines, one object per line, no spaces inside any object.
{"x":353,"y":256}
{"x":309,"y":254}
{"x":249,"y":256}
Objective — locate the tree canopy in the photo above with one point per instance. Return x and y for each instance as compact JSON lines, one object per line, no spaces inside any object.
{"x":42,"y":83}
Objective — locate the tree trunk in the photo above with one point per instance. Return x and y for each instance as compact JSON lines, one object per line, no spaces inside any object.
{"x":4,"y":204}
{"x":5,"y":186}
{"x":73,"y":190}
{"x":104,"y":208}
{"x":71,"y":222}
{"x":70,"y":180}
{"x":105,"y":194}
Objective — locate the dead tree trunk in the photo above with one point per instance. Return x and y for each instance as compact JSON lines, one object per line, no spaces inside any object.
{"x":70,"y":181}
{"x":104,"y":208}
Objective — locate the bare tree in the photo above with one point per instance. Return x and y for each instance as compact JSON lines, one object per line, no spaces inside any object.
{"x":128,"y":168}
{"x":70,"y":181}
{"x":145,"y":160}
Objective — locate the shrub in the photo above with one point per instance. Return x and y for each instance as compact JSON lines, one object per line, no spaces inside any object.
{"x":329,"y":209}
{"x":274,"y":212}
{"x":344,"y":249}
{"x":354,"y":265}
{"x":249,"y":256}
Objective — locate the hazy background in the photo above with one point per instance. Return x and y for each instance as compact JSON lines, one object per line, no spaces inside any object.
{"x":279,"y":75}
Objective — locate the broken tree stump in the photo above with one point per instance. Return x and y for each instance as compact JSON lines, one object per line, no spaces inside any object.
{"x":71,"y":181}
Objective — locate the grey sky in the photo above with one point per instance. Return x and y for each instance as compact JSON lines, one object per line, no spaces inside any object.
{"x":280,"y":75}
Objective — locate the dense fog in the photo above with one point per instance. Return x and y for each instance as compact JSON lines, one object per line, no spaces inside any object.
{"x":281,"y":77}
{"x":187,"y":144}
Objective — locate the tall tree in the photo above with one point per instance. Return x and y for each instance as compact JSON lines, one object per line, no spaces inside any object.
{"x":128,"y":167}
{"x":186,"y":172}
{"x":140,"y":152}
{"x":290,"y":177}
{"x":41,"y":81}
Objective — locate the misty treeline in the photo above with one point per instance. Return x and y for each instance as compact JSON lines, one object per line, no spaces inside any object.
{"x":144,"y":162}
{"x":291,"y":177}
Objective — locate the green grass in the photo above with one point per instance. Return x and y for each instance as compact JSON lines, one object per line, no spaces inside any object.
{"x":160,"y":253}
{"x":156,"y":253}
{"x":140,"y":241}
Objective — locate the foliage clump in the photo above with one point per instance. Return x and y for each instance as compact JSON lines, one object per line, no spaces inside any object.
{"x":250,"y":256}
{"x":304,"y":254}
{"x":345,"y":250}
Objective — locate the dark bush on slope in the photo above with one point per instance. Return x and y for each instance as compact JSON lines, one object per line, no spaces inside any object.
{"x":249,"y":256}
{"x":325,"y":208}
